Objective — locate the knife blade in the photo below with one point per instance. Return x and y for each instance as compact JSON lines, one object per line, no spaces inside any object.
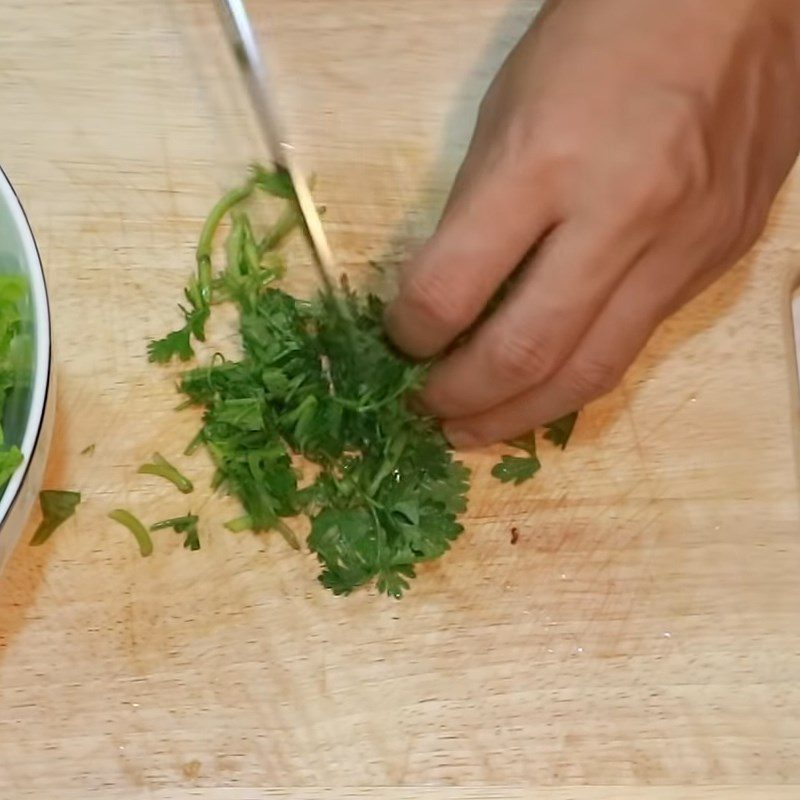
{"x":247,"y":52}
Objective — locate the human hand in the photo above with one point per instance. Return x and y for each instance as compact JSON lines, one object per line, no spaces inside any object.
{"x":626,"y":154}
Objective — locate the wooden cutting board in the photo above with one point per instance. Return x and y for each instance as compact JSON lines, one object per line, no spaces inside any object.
{"x":644,"y":631}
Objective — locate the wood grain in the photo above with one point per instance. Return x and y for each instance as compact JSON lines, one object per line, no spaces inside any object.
{"x":641,"y":639}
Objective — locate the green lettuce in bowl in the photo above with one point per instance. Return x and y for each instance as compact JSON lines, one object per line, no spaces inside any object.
{"x":27,"y":398}
{"x":15,"y":364}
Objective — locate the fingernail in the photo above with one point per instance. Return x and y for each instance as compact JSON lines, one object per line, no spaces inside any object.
{"x":461,"y":438}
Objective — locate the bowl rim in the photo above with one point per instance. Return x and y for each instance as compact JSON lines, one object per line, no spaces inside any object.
{"x":44,"y":345}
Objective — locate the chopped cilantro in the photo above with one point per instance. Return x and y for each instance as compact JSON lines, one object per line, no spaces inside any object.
{"x":57,"y":507}
{"x":517,"y":469}
{"x":318,"y":380}
{"x":136,"y":528}
{"x":186,"y":525}
{"x":560,"y":431}
{"x":163,"y":469}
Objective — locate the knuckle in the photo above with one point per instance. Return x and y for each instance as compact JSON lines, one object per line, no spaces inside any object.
{"x":434,"y":299}
{"x":675,"y":164}
{"x":655,"y":188}
{"x":529,"y":354}
{"x":592,"y":378}
{"x":684,"y":106}
{"x":560,"y":159}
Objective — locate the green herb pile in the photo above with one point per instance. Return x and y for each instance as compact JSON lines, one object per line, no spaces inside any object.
{"x":318,"y":382}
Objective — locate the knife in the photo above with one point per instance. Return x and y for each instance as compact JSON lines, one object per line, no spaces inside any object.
{"x":245,"y":47}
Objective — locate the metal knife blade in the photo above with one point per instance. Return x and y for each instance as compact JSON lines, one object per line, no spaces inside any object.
{"x":248,"y":55}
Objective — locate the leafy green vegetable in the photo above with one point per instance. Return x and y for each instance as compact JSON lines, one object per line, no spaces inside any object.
{"x":179,"y":342}
{"x":318,"y":381}
{"x":15,"y":359}
{"x":560,"y":431}
{"x":10,"y":459}
{"x":186,"y":525}
{"x":200,"y":290}
{"x":329,"y":387}
{"x":302,"y":389}
{"x":163,"y":469}
{"x":136,"y":528}
{"x":274,"y":182}
{"x":88,"y":450}
{"x":57,"y":507}
{"x":522,"y":468}
{"x":517,"y":469}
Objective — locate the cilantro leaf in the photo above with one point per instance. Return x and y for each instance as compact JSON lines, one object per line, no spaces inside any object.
{"x":526,"y":443}
{"x":517,"y":469}
{"x":178,"y":343}
{"x":560,"y":431}
{"x":57,"y":507}
{"x":277,"y":183}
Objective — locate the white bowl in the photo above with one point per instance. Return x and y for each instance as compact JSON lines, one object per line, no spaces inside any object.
{"x":30,"y":410}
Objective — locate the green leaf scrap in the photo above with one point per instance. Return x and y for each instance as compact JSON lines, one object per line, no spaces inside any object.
{"x":516,"y":469}
{"x":57,"y":507}
{"x":560,"y":431}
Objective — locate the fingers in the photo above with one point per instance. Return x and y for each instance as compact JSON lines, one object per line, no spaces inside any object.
{"x":595,"y":367}
{"x":492,"y":220}
{"x":534,"y":332}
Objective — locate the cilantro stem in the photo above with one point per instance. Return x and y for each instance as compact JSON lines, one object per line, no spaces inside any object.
{"x":381,"y":531}
{"x":375,"y":405}
{"x":288,"y":220}
{"x":206,"y":242}
{"x":287,"y":533}
{"x":240,"y":524}
{"x":163,"y":469}
{"x":245,"y":523}
{"x":193,"y":446}
{"x":171,"y":523}
{"x":138,"y":530}
{"x":186,"y":525}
